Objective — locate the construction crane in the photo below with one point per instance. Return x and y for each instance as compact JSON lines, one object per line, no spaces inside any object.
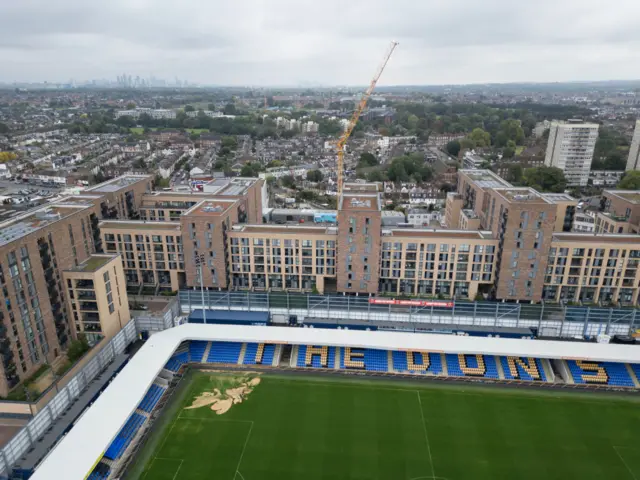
{"x":356,"y":115}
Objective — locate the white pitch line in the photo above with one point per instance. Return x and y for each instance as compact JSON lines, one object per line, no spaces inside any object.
{"x":426,"y":436}
{"x":625,"y":463}
{"x":179,"y":467}
{"x":241,"y":476}
{"x":243,"y":449}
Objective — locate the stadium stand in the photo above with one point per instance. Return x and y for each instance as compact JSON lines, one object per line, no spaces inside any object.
{"x":618,"y":374}
{"x":101,"y":472}
{"x":151,"y":398}
{"x":636,"y":370}
{"x":603,"y":373}
{"x":424,"y":363}
{"x":364,"y":359}
{"x":176,"y":361}
{"x":316,"y":356}
{"x":259,"y":354}
{"x":124,"y":437}
{"x":521,"y":368}
{"x":196,"y":350}
{"x":472,"y":366}
{"x":224,"y":352}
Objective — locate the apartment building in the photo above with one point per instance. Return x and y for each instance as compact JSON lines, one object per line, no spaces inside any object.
{"x":633,"y":162}
{"x":593,"y":269}
{"x":619,"y":212}
{"x":151,"y":253}
{"x":96,"y":298}
{"x":444,"y":263}
{"x":121,"y":197}
{"x":359,"y":231}
{"x":570,"y":148}
{"x":295,"y":258}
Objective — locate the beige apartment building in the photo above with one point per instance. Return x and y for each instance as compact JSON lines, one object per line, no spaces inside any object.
{"x":445,"y":263}
{"x":295,"y":258}
{"x":96,"y":296}
{"x":620,"y":212}
{"x":593,"y":268}
{"x":151,"y":253}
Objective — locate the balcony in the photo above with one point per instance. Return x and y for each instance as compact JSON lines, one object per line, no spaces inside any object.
{"x":88,"y":306}
{"x":85,"y":285}
{"x":91,"y":317}
{"x":86,"y":295}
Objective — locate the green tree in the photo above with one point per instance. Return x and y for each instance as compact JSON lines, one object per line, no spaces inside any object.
{"x":630,"y":181}
{"x":189,"y":108}
{"x":4,"y":128}
{"x":126,"y":121}
{"x":513,"y":130}
{"x":412,"y":122}
{"x":211,"y":107}
{"x":315,"y":176}
{"x":131,"y":106}
{"x":367,"y":160}
{"x":230,"y":142}
{"x":77,"y":349}
{"x":288,"y":181}
{"x":453,"y":148}
{"x":508,"y":153}
{"x":545,"y":179}
{"x":271,"y":180}
{"x":480,"y":138}
{"x":230,"y":109}
{"x":515,"y":173}
{"x":376,"y":175}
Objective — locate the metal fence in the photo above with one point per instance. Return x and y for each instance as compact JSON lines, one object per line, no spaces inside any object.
{"x":552,"y":320}
{"x":38,"y":425}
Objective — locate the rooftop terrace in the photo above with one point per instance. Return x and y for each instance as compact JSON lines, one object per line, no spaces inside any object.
{"x":232,"y":187}
{"x":485,"y":178}
{"x":352,"y":201}
{"x":522,"y":195}
{"x":632,"y":196}
{"x":117,"y":183}
{"x":211,"y":208}
{"x":93,"y":263}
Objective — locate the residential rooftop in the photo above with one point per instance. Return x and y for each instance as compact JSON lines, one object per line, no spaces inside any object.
{"x":118,"y":183}
{"x":93,"y":263}
{"x":521,"y":195}
{"x":353,"y":201}
{"x":438,"y":233}
{"x":558,"y":197}
{"x":631,"y":196}
{"x":212,"y":208}
{"x":469,"y":213}
{"x":485,"y":178}
{"x":285,"y":230}
{"x":138,"y":225}
{"x":229,"y":186}
{"x":597,"y":240}
{"x":22,"y":225}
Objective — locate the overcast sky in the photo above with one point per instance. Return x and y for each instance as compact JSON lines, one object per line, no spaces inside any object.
{"x":323,"y":42}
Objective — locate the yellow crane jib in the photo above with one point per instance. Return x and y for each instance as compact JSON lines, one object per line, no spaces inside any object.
{"x":356,"y":114}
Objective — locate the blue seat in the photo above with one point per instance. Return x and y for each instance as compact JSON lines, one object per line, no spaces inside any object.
{"x":374,"y":360}
{"x":224,"y":352}
{"x":400,"y":363}
{"x":521,"y":371}
{"x":177,"y":361}
{"x":196,"y":350}
{"x":455,"y":370}
{"x":618,"y":374}
{"x":252,"y":350}
{"x":124,"y":437}
{"x":636,"y":369}
{"x":316,"y":360}
{"x":151,"y":398}
{"x":597,"y":373}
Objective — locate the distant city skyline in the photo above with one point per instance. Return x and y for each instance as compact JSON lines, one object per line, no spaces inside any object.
{"x":282,"y":43}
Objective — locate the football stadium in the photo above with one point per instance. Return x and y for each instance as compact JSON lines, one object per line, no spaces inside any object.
{"x":243,"y":402}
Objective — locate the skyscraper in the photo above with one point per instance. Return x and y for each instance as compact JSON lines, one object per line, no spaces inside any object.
{"x":570,"y":148}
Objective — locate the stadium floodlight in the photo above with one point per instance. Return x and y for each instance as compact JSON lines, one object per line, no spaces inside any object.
{"x":199,"y":261}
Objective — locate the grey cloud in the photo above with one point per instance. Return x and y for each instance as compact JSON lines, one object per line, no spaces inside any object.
{"x":329,"y":42}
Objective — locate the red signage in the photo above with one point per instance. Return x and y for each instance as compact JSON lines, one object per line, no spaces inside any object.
{"x":410,"y":303}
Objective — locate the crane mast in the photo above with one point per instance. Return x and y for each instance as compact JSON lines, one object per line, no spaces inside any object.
{"x":356,"y":115}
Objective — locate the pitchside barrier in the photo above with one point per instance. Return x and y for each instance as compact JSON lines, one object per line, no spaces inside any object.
{"x":550,"y":320}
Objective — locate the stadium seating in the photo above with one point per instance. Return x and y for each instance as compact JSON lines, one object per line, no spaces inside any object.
{"x":151,"y":398}
{"x":316,"y":356}
{"x":100,"y":472}
{"x":481,"y":366}
{"x":196,"y":350}
{"x":618,"y":374}
{"x":523,"y":368}
{"x":124,"y":437}
{"x":588,"y":372}
{"x":368,"y":359}
{"x":224,"y":352}
{"x":177,"y":361}
{"x":636,"y":369}
{"x":251,"y":353}
{"x":401,"y":362}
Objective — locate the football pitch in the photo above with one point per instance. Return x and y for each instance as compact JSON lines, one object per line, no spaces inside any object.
{"x":324,"y":428}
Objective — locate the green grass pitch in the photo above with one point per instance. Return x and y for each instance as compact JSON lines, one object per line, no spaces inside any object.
{"x":316,"y":428}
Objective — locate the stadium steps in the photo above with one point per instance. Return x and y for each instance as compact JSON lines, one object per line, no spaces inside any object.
{"x":633,"y":376}
{"x":294,"y":357}
{"x":206,"y":353}
{"x":107,"y":462}
{"x":142,"y":412}
{"x":336,"y":363}
{"x":390,"y":361}
{"x":243,"y":351}
{"x":277,"y":355}
{"x":500,"y":369}
{"x":445,"y":368}
{"x":548,"y":371}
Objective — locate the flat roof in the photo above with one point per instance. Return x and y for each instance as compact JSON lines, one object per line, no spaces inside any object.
{"x":79,"y":450}
{"x":521,"y":195}
{"x":93,"y":263}
{"x":598,"y":240}
{"x":20,"y":226}
{"x":485,"y":178}
{"x":438,"y":233}
{"x":138,"y":225}
{"x":210,"y":208}
{"x":285,"y":229}
{"x":558,"y":197}
{"x":117,"y":183}
{"x":632,"y":196}
{"x":237,"y":186}
{"x":354,"y":201}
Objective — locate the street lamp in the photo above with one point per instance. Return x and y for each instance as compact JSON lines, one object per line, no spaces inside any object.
{"x":199,"y":260}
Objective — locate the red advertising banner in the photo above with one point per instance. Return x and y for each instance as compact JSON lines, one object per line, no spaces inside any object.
{"x":410,"y":303}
